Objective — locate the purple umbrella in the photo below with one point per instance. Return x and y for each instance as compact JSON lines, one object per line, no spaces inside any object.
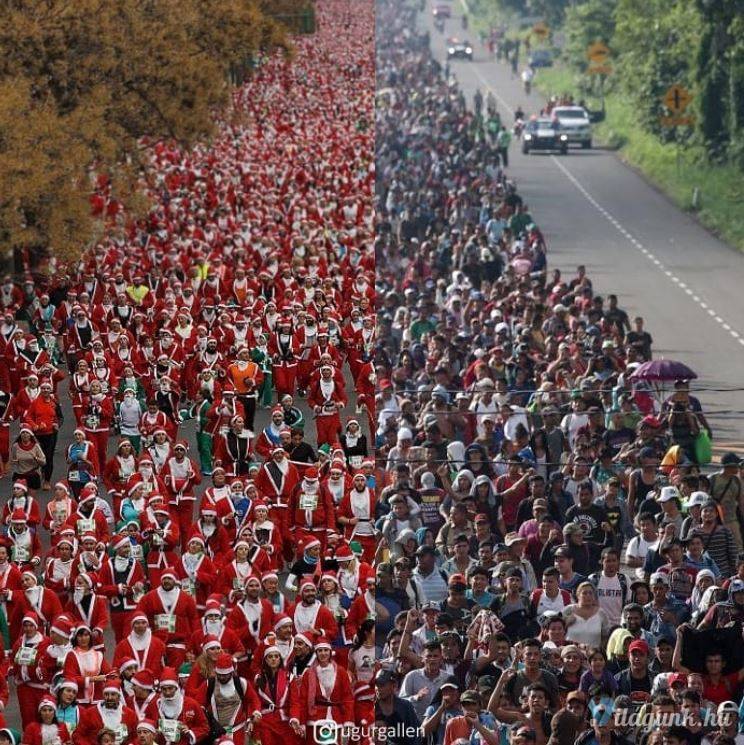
{"x":661,"y":370}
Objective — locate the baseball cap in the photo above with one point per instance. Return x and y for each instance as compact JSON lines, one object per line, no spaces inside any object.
{"x":457,"y":579}
{"x":540,"y":503}
{"x":470,"y":697}
{"x":481,"y":518}
{"x":451,"y":683}
{"x":669,"y":492}
{"x":737,"y":585}
{"x":430,"y":605}
{"x":385,"y":676}
{"x":677,"y":679}
{"x":697,"y":498}
{"x":572,"y":528}
{"x":657,"y":578}
{"x":638,"y":645}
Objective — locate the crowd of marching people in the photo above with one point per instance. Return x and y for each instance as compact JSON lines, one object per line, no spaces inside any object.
{"x":172,"y":570}
{"x":557,"y":561}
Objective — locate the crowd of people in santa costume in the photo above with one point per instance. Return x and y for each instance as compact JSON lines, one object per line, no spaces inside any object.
{"x":171,"y":570}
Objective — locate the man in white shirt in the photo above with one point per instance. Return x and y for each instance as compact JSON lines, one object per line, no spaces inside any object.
{"x":639,"y":545}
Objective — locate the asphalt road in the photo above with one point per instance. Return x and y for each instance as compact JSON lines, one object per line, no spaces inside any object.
{"x":659,"y":261}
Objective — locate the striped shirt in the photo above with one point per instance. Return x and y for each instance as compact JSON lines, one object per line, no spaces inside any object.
{"x":720,"y":546}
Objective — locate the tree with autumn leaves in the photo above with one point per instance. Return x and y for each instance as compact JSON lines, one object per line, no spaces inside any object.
{"x":83,"y":83}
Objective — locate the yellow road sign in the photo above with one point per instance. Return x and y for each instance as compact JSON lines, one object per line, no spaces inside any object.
{"x":540,"y":29}
{"x":599,"y":69}
{"x":677,"y":121}
{"x":677,"y":99}
{"x":598,"y":52}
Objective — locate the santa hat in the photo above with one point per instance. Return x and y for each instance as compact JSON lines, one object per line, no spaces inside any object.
{"x":328,"y":574}
{"x":241,"y":542}
{"x":269,"y":575}
{"x":344,"y":553}
{"x":311,"y":474}
{"x":63,"y":486}
{"x":210,"y":641}
{"x":144,"y":679}
{"x":207,"y":510}
{"x":71,"y":684}
{"x":145,"y":459}
{"x":138,"y":617}
{"x":128,"y":662}
{"x":252,"y":578}
{"x":169,"y":677}
{"x":121,"y":540}
{"x":337,"y":465}
{"x":169,"y":572}
{"x":282,"y":620}
{"x":181,"y":444}
{"x":323,"y":643}
{"x":306,"y":637}
{"x":66,"y":541}
{"x":148,"y":725}
{"x":47,"y":701}
{"x":307,"y":582}
{"x":112,"y":685}
{"x":310,"y":542}
{"x":89,"y":535}
{"x":196,"y":536}
{"x":62,"y":625}
{"x":20,"y":485}
{"x":273,"y":649}
{"x":224,"y":665}
{"x":133,"y":488}
{"x":18,"y":516}
{"x":214,"y":602}
{"x":86,"y":578}
{"x":260,"y":504}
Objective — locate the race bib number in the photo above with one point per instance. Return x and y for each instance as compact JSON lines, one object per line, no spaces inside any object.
{"x":92,"y":422}
{"x":86,"y":526}
{"x":19,"y":554}
{"x":237,"y":583}
{"x":25,"y":656}
{"x":188,"y":586}
{"x":355,"y":461}
{"x":169,"y":729}
{"x":308,"y":501}
{"x":73,"y":476}
{"x":165,"y":622}
{"x":136,"y":552}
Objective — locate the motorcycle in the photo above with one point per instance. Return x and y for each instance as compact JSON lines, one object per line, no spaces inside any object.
{"x":518,"y":128}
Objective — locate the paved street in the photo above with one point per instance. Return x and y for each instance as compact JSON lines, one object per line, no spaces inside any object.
{"x":596,"y":211}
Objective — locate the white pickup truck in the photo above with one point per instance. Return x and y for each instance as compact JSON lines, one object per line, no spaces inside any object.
{"x":574,"y":123}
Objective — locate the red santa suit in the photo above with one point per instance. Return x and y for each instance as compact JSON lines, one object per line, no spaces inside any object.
{"x":275,"y":482}
{"x":180,"y":476}
{"x":278,"y":705}
{"x":26,"y":655}
{"x":251,"y":620}
{"x":327,"y":397}
{"x":180,"y":708}
{"x":315,"y":617}
{"x":58,"y":576}
{"x":34,"y":735}
{"x":91,"y":611}
{"x":311,"y":509}
{"x":163,"y":538}
{"x":359,"y":506}
{"x":196,"y":573}
{"x":284,"y":349}
{"x":56,"y":514}
{"x":24,"y":546}
{"x":232,"y":704}
{"x":93,"y":719}
{"x":26,"y":504}
{"x":117,"y":580}
{"x":82,"y":666}
{"x":146,"y":649}
{"x":212,"y":625}
{"x":326,"y":693}
{"x":173,"y":618}
{"x":41,"y":602}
